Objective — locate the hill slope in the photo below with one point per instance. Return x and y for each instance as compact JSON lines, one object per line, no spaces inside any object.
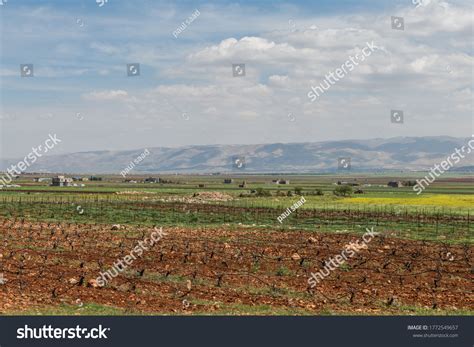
{"x":401,"y":153}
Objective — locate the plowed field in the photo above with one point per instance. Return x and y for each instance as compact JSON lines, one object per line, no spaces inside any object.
{"x":224,"y":271}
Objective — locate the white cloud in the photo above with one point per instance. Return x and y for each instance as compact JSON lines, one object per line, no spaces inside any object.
{"x":106,"y":48}
{"x":278,"y":80}
{"x":282,"y":65}
{"x":249,"y":48}
{"x":425,"y":70}
{"x":106,"y":95}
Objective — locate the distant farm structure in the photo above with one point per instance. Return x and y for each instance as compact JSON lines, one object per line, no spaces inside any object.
{"x":152,"y":180}
{"x":395,"y":184}
{"x":61,"y":181}
{"x":281,"y":181}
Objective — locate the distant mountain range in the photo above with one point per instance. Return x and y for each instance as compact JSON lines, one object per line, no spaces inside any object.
{"x":400,"y":153}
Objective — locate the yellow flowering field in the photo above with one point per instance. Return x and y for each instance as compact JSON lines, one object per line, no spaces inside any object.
{"x":439,"y":200}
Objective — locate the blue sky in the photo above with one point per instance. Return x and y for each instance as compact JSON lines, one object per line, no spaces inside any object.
{"x":186,"y":94}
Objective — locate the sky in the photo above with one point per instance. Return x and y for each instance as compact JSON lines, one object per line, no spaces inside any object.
{"x":186,"y":94}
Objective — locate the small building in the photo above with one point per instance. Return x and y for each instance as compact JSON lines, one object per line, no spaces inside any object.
{"x":201,"y":185}
{"x":395,"y":184}
{"x":152,"y":180}
{"x":280,"y":181}
{"x":228,"y":181}
{"x":61,"y":181}
{"x":95,"y":178}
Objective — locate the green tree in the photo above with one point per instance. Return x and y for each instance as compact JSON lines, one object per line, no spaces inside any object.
{"x":343,"y":190}
{"x":263,"y":192}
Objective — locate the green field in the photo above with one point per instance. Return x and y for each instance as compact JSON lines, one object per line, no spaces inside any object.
{"x":442,"y":212}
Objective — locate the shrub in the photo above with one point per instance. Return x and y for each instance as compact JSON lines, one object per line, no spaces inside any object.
{"x":263,"y":192}
{"x":283,"y":271}
{"x":298,"y":190}
{"x":343,"y":191}
{"x":409,"y":183}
